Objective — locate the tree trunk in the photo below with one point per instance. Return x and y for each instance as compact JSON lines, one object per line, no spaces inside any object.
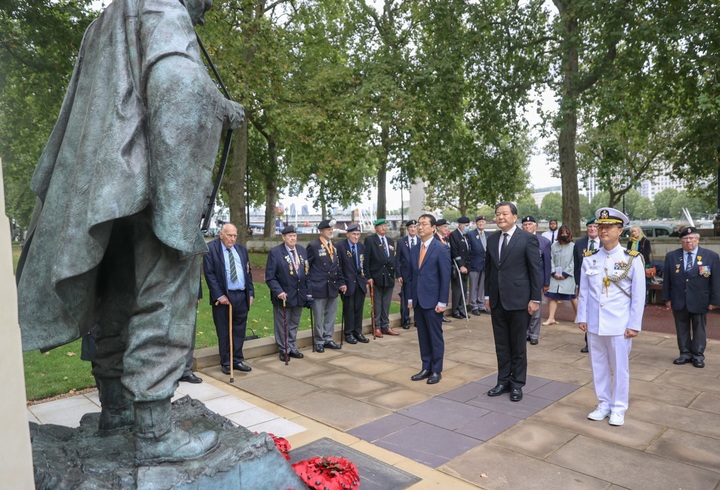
{"x":382,"y":173}
{"x":271,"y":190}
{"x":236,"y":188}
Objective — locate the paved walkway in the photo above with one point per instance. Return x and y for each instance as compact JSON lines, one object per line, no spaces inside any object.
{"x":452,"y":436}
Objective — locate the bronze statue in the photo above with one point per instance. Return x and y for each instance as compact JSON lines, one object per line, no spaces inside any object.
{"x":114,"y":239}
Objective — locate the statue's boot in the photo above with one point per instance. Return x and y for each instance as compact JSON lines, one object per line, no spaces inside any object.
{"x":117,"y":415}
{"x":158,"y":440}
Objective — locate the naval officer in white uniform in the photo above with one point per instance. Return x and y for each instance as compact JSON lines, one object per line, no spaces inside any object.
{"x":610,"y":309}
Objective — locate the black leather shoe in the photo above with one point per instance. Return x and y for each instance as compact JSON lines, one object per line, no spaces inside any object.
{"x":516,"y":394}
{"x":226,"y":369}
{"x":584,"y":350}
{"x":242,"y":367}
{"x":362,"y":339}
{"x":406,"y":326}
{"x":351,"y":340}
{"x":319,"y":348}
{"x":681,"y":360}
{"x":698,"y":363}
{"x":434,"y":378}
{"x":499,"y":390}
{"x":446,"y":320}
{"x":297,"y":355}
{"x":476,"y":312}
{"x":283,"y":358}
{"x":191,"y":378}
{"x":534,"y":341}
{"x":421,"y":375}
{"x":330,"y":344}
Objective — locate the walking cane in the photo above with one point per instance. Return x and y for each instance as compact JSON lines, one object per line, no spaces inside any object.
{"x":312,"y":328}
{"x":372,"y":309}
{"x":285,"y":325}
{"x":462,"y":290}
{"x":342,"y":322}
{"x":230,"y":333}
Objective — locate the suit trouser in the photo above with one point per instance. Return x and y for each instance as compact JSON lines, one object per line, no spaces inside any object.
{"x":239,"y":302}
{"x":533,"y":330}
{"x":458,"y":302}
{"x":510,"y":333}
{"x":477,"y":290}
{"x":148,"y":293}
{"x":285,"y":324}
{"x":324,"y":311}
{"x":353,"y":312}
{"x":430,"y":337}
{"x":610,"y":362}
{"x":691,"y":335}
{"x":404,"y":310}
{"x":382,"y":297}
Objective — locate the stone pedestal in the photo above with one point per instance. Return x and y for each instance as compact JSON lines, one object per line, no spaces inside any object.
{"x":81,"y":459}
{"x":15,"y":453}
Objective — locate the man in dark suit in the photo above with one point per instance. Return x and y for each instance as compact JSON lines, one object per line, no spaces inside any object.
{"x":513,"y":291}
{"x":441,"y":233}
{"x":585,"y":246}
{"x":325,"y":282}
{"x":691,"y":287}
{"x":402,"y":268}
{"x":460,"y":254}
{"x":530,"y":225}
{"x":286,"y":276}
{"x":229,"y":279}
{"x":352,"y":256}
{"x":430,"y":264}
{"x":380,"y":268}
{"x":478,"y":242}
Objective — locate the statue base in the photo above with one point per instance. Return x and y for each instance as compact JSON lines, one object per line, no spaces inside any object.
{"x":79,"y":458}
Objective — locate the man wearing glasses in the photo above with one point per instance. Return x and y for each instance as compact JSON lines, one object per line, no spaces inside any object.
{"x":691,"y":287}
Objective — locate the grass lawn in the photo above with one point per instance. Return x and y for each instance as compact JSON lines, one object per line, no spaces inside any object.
{"x":62,"y":371}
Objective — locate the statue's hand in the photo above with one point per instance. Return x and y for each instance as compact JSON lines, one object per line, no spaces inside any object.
{"x":235,"y":114}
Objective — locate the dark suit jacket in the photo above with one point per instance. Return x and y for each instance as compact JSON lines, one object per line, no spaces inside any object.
{"x":581,"y":246}
{"x":353,"y":277}
{"x":644,"y":248}
{"x":545,"y":259}
{"x":215,"y":274}
{"x":477,"y":251}
{"x":691,"y":289}
{"x":402,"y":257}
{"x":378,"y":266}
{"x":516,"y":279}
{"x":281,"y":276}
{"x":429,"y":284}
{"x":324,"y":277}
{"x":460,"y":249}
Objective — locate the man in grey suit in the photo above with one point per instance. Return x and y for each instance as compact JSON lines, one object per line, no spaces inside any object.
{"x":513,"y":291}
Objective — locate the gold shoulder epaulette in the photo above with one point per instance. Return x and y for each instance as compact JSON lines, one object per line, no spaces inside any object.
{"x":588,"y":253}
{"x":632,"y":253}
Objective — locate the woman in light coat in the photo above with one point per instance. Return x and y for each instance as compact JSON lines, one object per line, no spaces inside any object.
{"x":562,"y":281}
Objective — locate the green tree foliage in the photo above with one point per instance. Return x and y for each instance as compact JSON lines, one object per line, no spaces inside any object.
{"x":39,"y":40}
{"x":599,"y":200}
{"x":645,"y":209}
{"x":663,"y":202}
{"x":528,"y":207}
{"x":684,"y":199}
{"x":586,"y":209}
{"x":551,"y":207}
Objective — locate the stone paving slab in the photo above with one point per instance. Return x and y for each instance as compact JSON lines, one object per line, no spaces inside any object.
{"x":685,"y":419}
{"x":707,"y":402}
{"x":688,"y":448}
{"x":276,"y":387}
{"x":534,"y":439}
{"x":629,"y":468}
{"x":338,"y":411}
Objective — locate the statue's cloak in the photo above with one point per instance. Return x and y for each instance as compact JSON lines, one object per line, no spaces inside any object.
{"x":97,"y":167}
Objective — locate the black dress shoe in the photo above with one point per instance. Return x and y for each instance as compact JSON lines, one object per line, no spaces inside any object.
{"x":362,"y":339}
{"x":584,"y":350}
{"x":406,"y":326}
{"x":698,"y":363}
{"x":330,"y":344}
{"x":191,"y":378}
{"x":297,"y":355}
{"x":446,"y":320}
{"x":283,"y":357}
{"x":458,"y":316}
{"x":516,"y":394}
{"x":434,"y":378}
{"x":499,"y":390}
{"x":476,"y":312}
{"x":350,"y":339}
{"x":681,"y":360}
{"x":242,"y":367}
{"x":534,"y":341}
{"x":319,"y":348}
{"x":421,"y":375}
{"x":225,"y":369}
